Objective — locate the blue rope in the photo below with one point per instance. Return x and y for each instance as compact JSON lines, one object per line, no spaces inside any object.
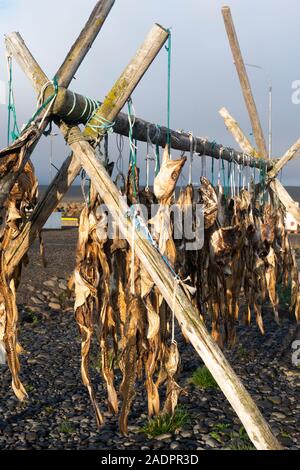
{"x":14,"y":132}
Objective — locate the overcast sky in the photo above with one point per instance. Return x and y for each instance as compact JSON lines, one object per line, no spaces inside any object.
{"x":203,"y":74}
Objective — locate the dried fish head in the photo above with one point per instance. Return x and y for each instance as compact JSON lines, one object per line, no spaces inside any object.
{"x":165,"y":181}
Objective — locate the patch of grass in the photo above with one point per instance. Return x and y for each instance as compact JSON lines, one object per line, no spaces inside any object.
{"x":49,"y":409}
{"x":67,"y":427}
{"x":240,"y":441}
{"x":215,"y":435}
{"x":95,"y":362}
{"x":29,"y":388}
{"x":166,"y":423}
{"x":218,"y":432}
{"x":63,"y":298}
{"x":31,"y":317}
{"x":284,"y":295}
{"x":222,"y":426}
{"x":242,"y":352}
{"x":203,"y":379}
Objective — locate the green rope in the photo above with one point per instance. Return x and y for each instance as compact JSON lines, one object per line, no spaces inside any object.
{"x":45,"y":104}
{"x":14,"y":132}
{"x":169,"y":50}
{"x":133,"y":149}
{"x":213,"y":163}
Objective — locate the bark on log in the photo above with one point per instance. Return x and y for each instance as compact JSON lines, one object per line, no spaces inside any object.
{"x":244,"y":81}
{"x":233,"y":127}
{"x":158,"y":134}
{"x":187,"y":316}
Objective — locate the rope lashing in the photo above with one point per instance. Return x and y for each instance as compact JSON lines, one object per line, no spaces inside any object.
{"x":43,"y":105}
{"x":14,"y":132}
{"x":103,"y":125}
{"x":90,"y":106}
{"x":74,"y":135}
{"x":169,"y":50}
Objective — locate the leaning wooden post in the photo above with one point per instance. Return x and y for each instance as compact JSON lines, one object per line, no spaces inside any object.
{"x":233,"y":127}
{"x":257,"y":428}
{"x":64,"y":75}
{"x":274,"y":184}
{"x":244,"y":81}
{"x":15,"y":45}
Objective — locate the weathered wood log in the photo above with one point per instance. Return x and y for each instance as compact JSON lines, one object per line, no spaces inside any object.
{"x":64,"y":76}
{"x":287,"y":157}
{"x":84,"y":42}
{"x":244,"y":81}
{"x":187,"y":315}
{"x":274,"y":184}
{"x":233,"y":127}
{"x":65,"y":109}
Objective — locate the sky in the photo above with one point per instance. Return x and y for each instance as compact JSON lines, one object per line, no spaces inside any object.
{"x":203,"y":74}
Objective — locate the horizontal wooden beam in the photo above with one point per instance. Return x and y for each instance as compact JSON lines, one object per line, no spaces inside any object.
{"x":75,"y":108}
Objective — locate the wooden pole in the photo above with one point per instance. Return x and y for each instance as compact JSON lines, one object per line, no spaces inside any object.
{"x":187,"y":316}
{"x":287,"y":157}
{"x":64,"y":103}
{"x":84,"y":42}
{"x":65,"y":74}
{"x":245,"y":83}
{"x":273,"y":182}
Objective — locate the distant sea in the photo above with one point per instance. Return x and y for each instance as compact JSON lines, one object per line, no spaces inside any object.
{"x":75,"y":193}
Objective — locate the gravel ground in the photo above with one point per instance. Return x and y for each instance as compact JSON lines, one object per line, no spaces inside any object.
{"x":59,"y":415}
